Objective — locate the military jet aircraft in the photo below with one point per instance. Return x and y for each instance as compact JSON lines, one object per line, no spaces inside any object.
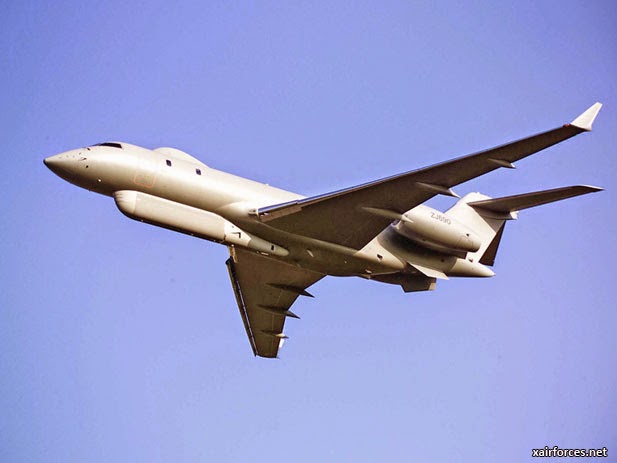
{"x":280,"y":242}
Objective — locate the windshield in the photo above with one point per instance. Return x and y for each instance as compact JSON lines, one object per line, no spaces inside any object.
{"x":110,"y":144}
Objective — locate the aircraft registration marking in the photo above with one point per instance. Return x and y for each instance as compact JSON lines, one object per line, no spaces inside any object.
{"x":441,"y":218}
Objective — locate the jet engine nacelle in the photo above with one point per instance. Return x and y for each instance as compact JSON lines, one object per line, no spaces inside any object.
{"x":435,"y":230}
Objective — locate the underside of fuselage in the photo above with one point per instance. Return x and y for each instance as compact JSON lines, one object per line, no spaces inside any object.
{"x":281,"y":243}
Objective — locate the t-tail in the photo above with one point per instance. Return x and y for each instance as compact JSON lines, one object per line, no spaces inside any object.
{"x":487,"y":216}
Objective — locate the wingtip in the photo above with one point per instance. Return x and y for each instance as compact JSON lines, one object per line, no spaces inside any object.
{"x":591,"y":188}
{"x":585,"y":120}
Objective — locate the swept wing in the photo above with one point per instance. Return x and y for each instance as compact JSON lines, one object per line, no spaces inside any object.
{"x":353,"y":216}
{"x":265,"y":289}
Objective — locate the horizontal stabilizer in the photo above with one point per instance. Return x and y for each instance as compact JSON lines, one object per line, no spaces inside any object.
{"x":523,"y":201}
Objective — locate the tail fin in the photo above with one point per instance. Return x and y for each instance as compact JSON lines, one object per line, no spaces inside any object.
{"x":487,"y":225}
{"x":487,"y":217}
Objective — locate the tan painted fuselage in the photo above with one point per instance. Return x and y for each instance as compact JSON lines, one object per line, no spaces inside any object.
{"x":281,"y":243}
{"x":169,"y":188}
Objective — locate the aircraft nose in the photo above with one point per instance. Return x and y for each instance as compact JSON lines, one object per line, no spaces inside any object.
{"x":52,"y":161}
{"x":59,"y":164}
{"x":66,"y":165}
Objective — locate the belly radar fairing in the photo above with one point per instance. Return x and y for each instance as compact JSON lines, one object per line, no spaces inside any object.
{"x":280,"y":242}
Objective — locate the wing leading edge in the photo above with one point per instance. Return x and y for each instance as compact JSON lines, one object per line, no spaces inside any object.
{"x":354,"y":216}
{"x":265,"y":289}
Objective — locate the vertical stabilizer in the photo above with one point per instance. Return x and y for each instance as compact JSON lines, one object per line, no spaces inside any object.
{"x":488,"y":225}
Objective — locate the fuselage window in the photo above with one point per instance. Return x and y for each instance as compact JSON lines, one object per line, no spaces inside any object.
{"x":198,"y":171}
{"x":168,"y":162}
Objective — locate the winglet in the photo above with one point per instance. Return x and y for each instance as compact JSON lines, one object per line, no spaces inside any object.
{"x":585,"y":120}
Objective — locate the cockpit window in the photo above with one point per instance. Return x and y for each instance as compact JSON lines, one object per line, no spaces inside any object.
{"x":110,"y":144}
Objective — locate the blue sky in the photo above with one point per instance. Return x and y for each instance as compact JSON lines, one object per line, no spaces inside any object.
{"x":122,"y":342}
